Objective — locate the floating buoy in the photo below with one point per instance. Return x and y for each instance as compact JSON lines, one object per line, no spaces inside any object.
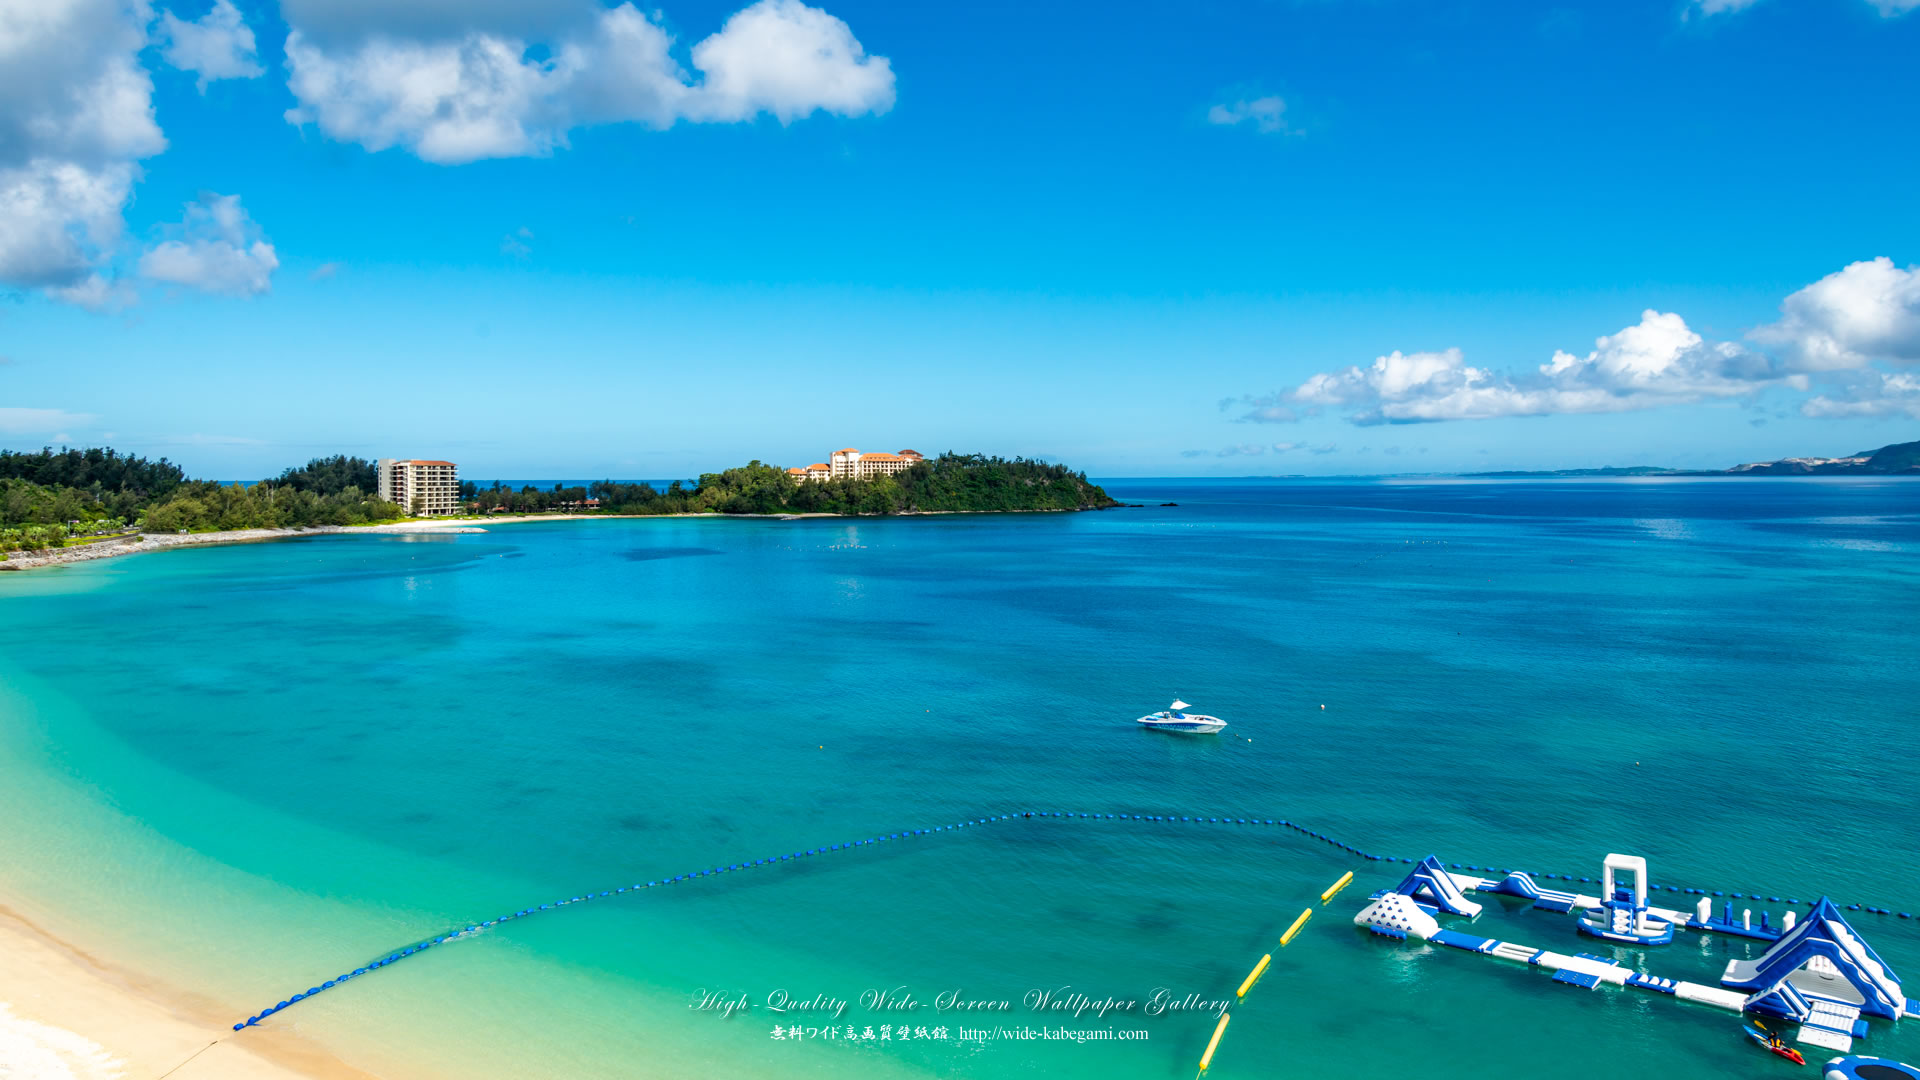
{"x":1345,"y":880}
{"x":1323,"y":708}
{"x":1295,"y":928}
{"x":1259,"y":969}
{"x":1213,"y":1044}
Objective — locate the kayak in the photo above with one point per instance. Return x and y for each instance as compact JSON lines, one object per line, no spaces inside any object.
{"x":1774,"y":1046}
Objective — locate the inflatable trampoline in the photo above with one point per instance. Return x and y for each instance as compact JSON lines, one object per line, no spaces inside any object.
{"x":1869,"y":1068}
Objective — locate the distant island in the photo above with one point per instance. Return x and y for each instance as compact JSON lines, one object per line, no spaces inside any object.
{"x":1895,"y":460}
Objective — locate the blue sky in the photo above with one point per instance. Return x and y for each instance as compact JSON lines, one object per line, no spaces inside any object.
{"x":563,"y":238}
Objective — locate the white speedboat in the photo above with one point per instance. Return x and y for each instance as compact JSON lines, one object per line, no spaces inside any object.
{"x":1176,"y":718}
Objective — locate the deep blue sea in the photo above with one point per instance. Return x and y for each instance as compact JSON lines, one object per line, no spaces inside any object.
{"x":242,"y":770}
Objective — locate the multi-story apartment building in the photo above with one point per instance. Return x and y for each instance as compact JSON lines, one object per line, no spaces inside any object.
{"x":425,"y":488}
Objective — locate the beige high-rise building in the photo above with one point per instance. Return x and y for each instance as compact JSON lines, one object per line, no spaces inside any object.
{"x":426,"y":488}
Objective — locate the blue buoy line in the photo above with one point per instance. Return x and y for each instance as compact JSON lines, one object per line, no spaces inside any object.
{"x":417,"y":947}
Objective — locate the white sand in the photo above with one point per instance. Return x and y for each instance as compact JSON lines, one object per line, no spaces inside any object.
{"x":65,"y":1015}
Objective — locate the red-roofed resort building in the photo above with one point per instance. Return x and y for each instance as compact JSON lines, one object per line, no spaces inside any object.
{"x":854,"y":465}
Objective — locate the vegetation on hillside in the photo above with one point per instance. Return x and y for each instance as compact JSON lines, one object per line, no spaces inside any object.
{"x":949,"y":483}
{"x":331,"y":476}
{"x":1899,"y":457}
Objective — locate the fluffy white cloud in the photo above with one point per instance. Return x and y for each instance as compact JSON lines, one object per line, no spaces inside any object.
{"x":216,"y":248}
{"x":59,"y":219}
{"x":452,"y":97}
{"x":217,"y":45}
{"x":1658,"y":361}
{"x":1875,"y":393}
{"x":76,"y":115}
{"x":785,"y":58}
{"x":1890,"y":8}
{"x":1268,"y":115}
{"x":1864,"y":312}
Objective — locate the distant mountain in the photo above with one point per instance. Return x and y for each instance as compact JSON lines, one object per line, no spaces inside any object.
{"x":1897,"y":458}
{"x":1612,"y":470}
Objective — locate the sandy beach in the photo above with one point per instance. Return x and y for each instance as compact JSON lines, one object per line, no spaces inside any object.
{"x":133,"y":545}
{"x":68,"y":1015}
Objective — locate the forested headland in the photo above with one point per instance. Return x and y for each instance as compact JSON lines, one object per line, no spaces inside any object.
{"x":950,"y":483}
{"x":55,"y":498}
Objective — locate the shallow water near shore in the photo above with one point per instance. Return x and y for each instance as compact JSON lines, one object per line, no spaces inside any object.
{"x":247,"y":769}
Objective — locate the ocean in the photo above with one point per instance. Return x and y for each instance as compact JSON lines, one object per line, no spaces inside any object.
{"x":244,"y":770}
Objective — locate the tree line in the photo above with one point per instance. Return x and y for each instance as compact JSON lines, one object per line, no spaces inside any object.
{"x":50,"y":498}
{"x":948,"y":483}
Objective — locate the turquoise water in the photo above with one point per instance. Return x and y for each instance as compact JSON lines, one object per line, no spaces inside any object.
{"x":246,"y":769}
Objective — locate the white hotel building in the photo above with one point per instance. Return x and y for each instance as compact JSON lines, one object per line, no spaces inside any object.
{"x":851,"y":464}
{"x":433,"y":485}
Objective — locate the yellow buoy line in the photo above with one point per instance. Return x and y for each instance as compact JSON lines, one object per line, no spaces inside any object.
{"x":1346,"y":879}
{"x":1253,"y":976}
{"x":1213,"y":1044}
{"x":1259,"y":969}
{"x":1295,"y":928}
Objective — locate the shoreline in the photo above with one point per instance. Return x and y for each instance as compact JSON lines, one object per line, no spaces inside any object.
{"x":66,"y":1013}
{"x":143,"y":542}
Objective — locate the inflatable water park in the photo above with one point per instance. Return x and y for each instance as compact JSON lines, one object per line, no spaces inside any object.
{"x":1817,"y":972}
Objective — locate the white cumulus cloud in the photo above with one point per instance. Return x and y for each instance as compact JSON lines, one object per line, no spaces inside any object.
{"x":460,"y":90}
{"x":1268,"y":115}
{"x":785,"y":58}
{"x":216,"y":248}
{"x":1874,"y":393}
{"x":76,"y":116}
{"x":1866,"y":311}
{"x":217,"y":45}
{"x":1657,"y":361}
